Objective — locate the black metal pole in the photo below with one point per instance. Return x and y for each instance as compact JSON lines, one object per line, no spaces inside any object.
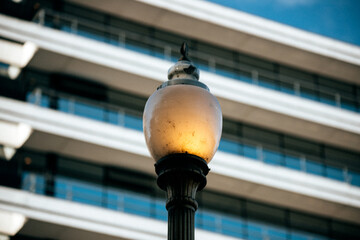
{"x":181,"y":176}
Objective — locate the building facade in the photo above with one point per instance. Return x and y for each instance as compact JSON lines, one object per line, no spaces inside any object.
{"x":75,"y":76}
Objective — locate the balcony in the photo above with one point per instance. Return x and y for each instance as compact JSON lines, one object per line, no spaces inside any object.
{"x":64,"y":219}
{"x":232,"y":144}
{"x":105,"y":143}
{"x":70,"y":54}
{"x":206,"y":61}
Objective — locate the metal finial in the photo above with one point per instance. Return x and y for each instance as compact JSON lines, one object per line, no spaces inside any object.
{"x":184,"y":52}
{"x":183,"y":72}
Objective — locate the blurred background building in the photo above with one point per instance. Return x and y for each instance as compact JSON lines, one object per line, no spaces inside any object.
{"x":75,"y":76}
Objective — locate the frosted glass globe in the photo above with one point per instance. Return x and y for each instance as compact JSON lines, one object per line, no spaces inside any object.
{"x":182,"y":119}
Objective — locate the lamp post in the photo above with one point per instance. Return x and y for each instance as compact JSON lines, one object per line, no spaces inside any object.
{"x":182,"y":126}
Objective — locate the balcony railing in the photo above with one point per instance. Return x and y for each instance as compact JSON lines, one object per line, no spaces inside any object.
{"x":221,"y":66}
{"x":129,"y":118}
{"x":151,"y":207}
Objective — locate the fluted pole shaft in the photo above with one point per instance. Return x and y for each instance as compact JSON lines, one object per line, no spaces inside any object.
{"x":181,"y":223}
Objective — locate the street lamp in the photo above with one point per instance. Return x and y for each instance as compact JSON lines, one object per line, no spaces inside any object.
{"x":182,"y":127}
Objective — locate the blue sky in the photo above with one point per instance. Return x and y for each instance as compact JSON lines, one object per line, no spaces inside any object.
{"x":338,"y":19}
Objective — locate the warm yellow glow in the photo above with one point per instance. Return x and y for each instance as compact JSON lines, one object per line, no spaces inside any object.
{"x":182,"y":119}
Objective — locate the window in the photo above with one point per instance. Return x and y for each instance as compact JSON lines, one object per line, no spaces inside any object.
{"x":309,"y":223}
{"x":257,"y":211}
{"x":261,"y":135}
{"x":80,"y":170}
{"x":302,"y":146}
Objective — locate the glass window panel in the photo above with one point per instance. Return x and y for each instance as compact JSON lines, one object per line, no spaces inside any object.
{"x":160,"y":210}
{"x":30,"y":97}
{"x":33,"y":182}
{"x":244,"y":76}
{"x":129,"y":26}
{"x":44,"y":102}
{"x":287,"y":88}
{"x":261,"y":135}
{"x":264,"y":212}
{"x":329,"y":84}
{"x":232,"y":227}
{"x":314,"y":167}
{"x":233,"y":232}
{"x":254,"y":231}
{"x":230,"y":127}
{"x":80,"y":170}
{"x":302,"y":146}
{"x":342,"y":157}
{"x":113,"y":117}
{"x":335,"y":173}
{"x":309,"y":223}
{"x":114,"y":39}
{"x":138,"y":46}
{"x":230,"y":222}
{"x":208,"y":221}
{"x":172,"y":39}
{"x":89,"y":111}
{"x":113,"y":201}
{"x":139,"y":205}
{"x":268,"y":83}
{"x":133,"y":122}
{"x":250,"y":152}
{"x":62,"y":190}
{"x":225,"y":71}
{"x":343,"y":230}
{"x":78,"y":191}
{"x":230,"y":146}
{"x":355,"y":178}
{"x":273,"y":157}
{"x":66,"y":28}
{"x":135,"y":102}
{"x":203,"y":66}
{"x":299,"y":236}
{"x":276,"y":233}
{"x":308,"y":93}
{"x":90,"y":33}
{"x":214,"y":50}
{"x":293,"y":162}
{"x":300,"y":76}
{"x":328,"y":98}
{"x":158,"y":52}
{"x":83,"y":12}
{"x":255,"y":62}
{"x":214,"y":200}
{"x":115,"y":198}
{"x":349,"y":105}
{"x":87,"y":196}
{"x":63,"y":105}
